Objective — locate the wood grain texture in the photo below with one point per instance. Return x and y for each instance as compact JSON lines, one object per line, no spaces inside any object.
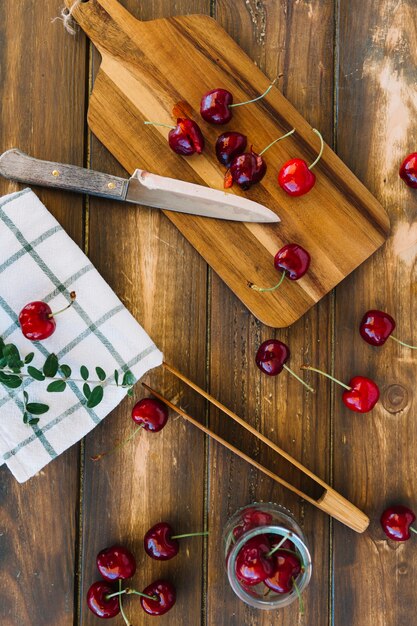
{"x":375,"y":459}
{"x":42,"y":111}
{"x":148,"y":67}
{"x":162,"y":280}
{"x":293,"y":39}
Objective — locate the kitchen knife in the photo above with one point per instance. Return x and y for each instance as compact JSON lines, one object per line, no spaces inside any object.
{"x":142,"y":188}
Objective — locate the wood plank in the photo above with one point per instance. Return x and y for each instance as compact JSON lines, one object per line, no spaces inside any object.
{"x":42,"y":112}
{"x":375,"y":460}
{"x":162,"y":280}
{"x":296,"y":40}
{"x":146,"y":69}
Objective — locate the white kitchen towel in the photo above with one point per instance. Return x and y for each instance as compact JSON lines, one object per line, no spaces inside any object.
{"x":39,"y":261}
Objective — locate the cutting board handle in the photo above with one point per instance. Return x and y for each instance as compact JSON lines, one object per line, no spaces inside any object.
{"x":106,"y":23}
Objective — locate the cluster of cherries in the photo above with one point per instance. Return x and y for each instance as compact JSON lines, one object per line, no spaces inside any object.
{"x":361,"y":393}
{"x":243,"y":168}
{"x":266,"y":559}
{"x":117,"y":564}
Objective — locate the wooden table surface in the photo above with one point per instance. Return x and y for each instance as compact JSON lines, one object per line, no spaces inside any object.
{"x":349,"y":67}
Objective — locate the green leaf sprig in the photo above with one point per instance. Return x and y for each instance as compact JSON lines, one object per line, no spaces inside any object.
{"x":14,"y":369}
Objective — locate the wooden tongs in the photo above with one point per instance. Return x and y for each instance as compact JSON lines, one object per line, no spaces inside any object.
{"x":331,"y":502}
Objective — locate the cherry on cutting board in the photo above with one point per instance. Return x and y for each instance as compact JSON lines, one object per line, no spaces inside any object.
{"x":271,"y":359}
{"x":229,"y":145}
{"x":161,"y":544}
{"x":287,"y":569}
{"x":217,"y":106}
{"x":253,"y":565}
{"x":37,"y":320}
{"x":360,"y":395}
{"x":293,"y":260}
{"x":295,"y":176}
{"x":164,"y":597}
{"x":396,"y":522}
{"x":185,"y":138}
{"x":249,"y":168}
{"x":116,"y":563}
{"x":150,"y":414}
{"x":98,"y":601}
{"x":377,"y":326}
{"x":408,"y":170}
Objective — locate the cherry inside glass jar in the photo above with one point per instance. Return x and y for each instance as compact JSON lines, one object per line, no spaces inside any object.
{"x":266,"y":525}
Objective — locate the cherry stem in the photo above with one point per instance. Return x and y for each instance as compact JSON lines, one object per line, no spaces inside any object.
{"x":128,"y":591}
{"x":407,"y":345}
{"x":121,"y":606}
{"x":299,"y":379}
{"x":160,"y":124}
{"x":310,"y":167}
{"x":140,"y":593}
{"x":300,"y":599}
{"x":275,"y":141}
{"x":314,"y":369}
{"x":239,"y":104}
{"x":201,"y":534}
{"x":73,"y":295}
{"x":256,"y":288}
{"x":97,"y":457}
{"x":413,"y":529}
{"x":277,"y":547}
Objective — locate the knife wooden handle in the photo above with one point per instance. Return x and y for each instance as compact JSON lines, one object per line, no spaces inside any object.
{"x":19,"y":166}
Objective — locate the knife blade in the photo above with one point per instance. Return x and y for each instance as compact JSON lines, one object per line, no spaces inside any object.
{"x":142,"y":188}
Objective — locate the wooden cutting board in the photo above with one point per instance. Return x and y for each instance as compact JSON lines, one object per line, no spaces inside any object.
{"x":149,"y":67}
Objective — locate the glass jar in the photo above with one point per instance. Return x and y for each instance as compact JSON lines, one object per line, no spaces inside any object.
{"x":271,"y":520}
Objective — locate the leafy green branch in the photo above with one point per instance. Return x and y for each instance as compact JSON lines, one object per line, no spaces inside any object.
{"x":15,"y":369}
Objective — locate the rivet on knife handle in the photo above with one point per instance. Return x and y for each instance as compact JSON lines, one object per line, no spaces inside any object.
{"x":19,"y":166}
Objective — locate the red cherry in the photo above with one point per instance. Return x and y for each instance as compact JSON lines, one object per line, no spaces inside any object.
{"x":293,"y":259}
{"x":396,"y":522}
{"x":98,"y":603}
{"x":159,"y":544}
{"x":376,"y":327}
{"x":252,"y":563}
{"x":363,"y":395}
{"x":186,"y":138}
{"x":408,"y":170}
{"x":247,"y":169}
{"x":252,"y":518}
{"x":272,"y":356}
{"x":165,"y":597}
{"x":229,"y":145}
{"x":215,"y":106}
{"x":116,"y":563}
{"x":36,"y":321}
{"x":287,"y":569}
{"x":295,"y":176}
{"x":151,"y":414}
